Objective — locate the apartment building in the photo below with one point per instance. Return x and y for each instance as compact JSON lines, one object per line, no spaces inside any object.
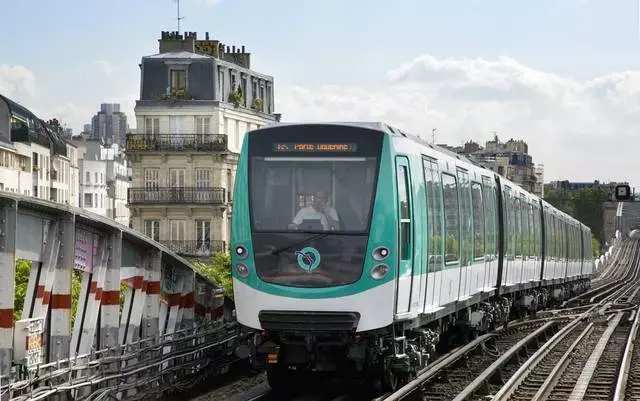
{"x":35,"y":160}
{"x":104,"y":180}
{"x":510,"y":159}
{"x":197,"y":100}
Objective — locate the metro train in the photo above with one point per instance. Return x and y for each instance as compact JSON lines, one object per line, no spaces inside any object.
{"x":358,"y":249}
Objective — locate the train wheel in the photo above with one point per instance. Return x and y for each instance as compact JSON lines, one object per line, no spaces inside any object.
{"x":281,"y":380}
{"x":392,"y":381}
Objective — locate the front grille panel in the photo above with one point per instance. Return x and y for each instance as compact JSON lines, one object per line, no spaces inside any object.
{"x":309,"y":322}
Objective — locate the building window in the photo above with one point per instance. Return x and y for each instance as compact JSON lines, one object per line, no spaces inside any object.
{"x":95,"y":177}
{"x":177,"y":231}
{"x":202,"y":125}
{"x":88,"y":200}
{"x":152,"y":229}
{"x":203,"y":183}
{"x":178,"y":81}
{"x":203,"y":236}
{"x":87,"y":177}
{"x":152,"y":126}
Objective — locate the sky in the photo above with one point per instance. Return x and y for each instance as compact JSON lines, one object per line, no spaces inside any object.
{"x":564,"y":75}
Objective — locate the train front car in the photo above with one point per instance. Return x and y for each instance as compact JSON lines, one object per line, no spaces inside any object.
{"x":313,"y":239}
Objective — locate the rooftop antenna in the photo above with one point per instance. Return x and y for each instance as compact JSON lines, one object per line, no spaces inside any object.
{"x":179,"y":17}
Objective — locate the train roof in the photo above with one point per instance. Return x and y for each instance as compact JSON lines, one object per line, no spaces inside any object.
{"x":399,"y":133}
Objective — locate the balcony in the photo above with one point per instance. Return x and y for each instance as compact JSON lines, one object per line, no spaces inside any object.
{"x":195,"y":248}
{"x":180,"y":195}
{"x":176,"y":143}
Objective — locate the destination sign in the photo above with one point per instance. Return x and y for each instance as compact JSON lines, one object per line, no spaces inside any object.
{"x":314,"y":147}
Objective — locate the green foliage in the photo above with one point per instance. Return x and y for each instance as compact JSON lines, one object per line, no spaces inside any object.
{"x":585,"y":205}
{"x":596,"y":247}
{"x":23,"y":269}
{"x":218,"y":269}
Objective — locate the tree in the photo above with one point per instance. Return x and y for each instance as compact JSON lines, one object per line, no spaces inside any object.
{"x":218,"y":269}
{"x":585,"y":205}
{"x":23,"y":270}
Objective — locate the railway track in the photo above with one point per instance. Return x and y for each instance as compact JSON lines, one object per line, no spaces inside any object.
{"x":580,"y":360}
{"x":583,"y":348}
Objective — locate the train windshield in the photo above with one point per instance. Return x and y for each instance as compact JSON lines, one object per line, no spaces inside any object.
{"x":313,"y":186}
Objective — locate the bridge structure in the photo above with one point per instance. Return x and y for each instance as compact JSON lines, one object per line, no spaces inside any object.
{"x":105,"y":309}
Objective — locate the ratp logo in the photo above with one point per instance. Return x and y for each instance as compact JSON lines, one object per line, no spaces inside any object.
{"x":308,"y":258}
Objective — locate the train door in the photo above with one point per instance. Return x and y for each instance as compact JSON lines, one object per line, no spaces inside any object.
{"x":509,"y":240}
{"x":466,"y":230}
{"x":404,"y":274}
{"x":433,"y":252}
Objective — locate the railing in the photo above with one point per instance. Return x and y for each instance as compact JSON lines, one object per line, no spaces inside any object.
{"x":176,"y":142}
{"x":186,"y":195}
{"x":195,"y":247}
{"x":150,"y":367}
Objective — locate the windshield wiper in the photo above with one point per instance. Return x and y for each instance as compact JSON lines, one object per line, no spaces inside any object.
{"x":311,"y":238}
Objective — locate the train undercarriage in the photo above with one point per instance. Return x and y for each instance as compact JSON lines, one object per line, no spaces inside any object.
{"x":394,"y":355}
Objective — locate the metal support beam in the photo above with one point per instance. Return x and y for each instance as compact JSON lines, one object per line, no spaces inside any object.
{"x":110,"y":307}
{"x":61,"y":292}
{"x":8,"y":235}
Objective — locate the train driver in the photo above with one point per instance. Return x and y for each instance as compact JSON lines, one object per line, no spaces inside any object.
{"x":319,"y":210}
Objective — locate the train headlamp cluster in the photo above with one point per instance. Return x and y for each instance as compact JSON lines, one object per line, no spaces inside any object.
{"x":379,"y":271}
{"x":380,"y":253}
{"x":243,"y":270}
{"x":241,"y":252}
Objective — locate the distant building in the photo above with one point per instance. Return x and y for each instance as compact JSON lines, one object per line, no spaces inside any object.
{"x":197,"y":100}
{"x":109,"y":125}
{"x":509,"y":159}
{"x":104,"y":179}
{"x":35,"y":159}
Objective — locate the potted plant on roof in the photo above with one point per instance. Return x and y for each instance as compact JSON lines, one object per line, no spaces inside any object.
{"x":235,"y":97}
{"x":258,"y":104}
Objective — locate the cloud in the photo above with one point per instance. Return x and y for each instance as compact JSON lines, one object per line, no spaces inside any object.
{"x":17,"y":82}
{"x":108,"y":69}
{"x":580,"y":130}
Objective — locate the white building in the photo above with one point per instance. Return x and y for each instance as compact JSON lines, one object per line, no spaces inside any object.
{"x":197,"y":100}
{"x":104,"y":180}
{"x":35,"y":160}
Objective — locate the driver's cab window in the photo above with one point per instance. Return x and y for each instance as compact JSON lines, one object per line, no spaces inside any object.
{"x":312,"y":195}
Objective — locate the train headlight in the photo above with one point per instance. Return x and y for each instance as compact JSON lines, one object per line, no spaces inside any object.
{"x":379,"y":272}
{"x":380,"y":253}
{"x":241,"y":251}
{"x":243,"y":270}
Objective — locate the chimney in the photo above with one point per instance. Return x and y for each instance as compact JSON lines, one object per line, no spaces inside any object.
{"x":243,"y":49}
{"x":207,"y":35}
{"x":233,"y":48}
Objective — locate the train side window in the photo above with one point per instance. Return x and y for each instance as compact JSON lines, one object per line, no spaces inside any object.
{"x":517,"y":226}
{"x":532,"y":237}
{"x":434,"y":214}
{"x":534,"y":231}
{"x":478,"y":221}
{"x":405,"y":215}
{"x":466,"y":218}
{"x":537,"y":231}
{"x":489,"y":217}
{"x":451,"y":218}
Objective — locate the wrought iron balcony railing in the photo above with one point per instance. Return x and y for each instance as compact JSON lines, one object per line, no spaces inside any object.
{"x":200,"y":248}
{"x":176,"y":142}
{"x":185,"y":195}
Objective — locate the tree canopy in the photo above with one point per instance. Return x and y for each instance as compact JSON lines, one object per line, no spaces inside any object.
{"x":585,"y":204}
{"x":218,"y":269}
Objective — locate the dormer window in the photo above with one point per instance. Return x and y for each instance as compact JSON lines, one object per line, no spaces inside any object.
{"x":178,"y":82}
